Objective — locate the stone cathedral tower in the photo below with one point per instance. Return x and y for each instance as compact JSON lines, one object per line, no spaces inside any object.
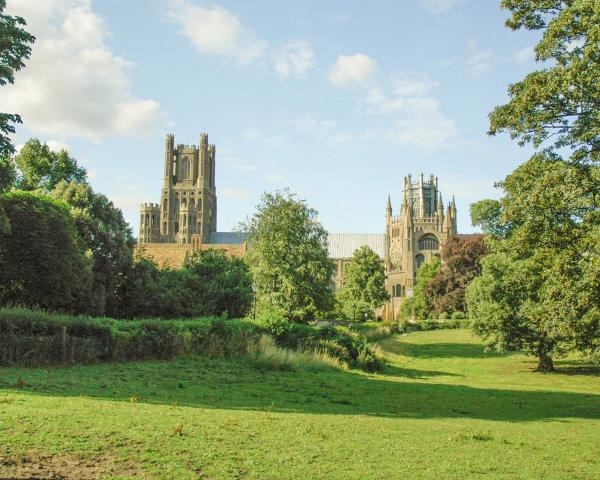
{"x":417,"y":233}
{"x":187,"y":212}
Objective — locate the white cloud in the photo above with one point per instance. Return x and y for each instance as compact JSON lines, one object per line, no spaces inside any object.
{"x":216,"y":31}
{"x":413,"y":114}
{"x":352,"y":70}
{"x":239,"y":194}
{"x":439,"y":6}
{"x":293,"y":59}
{"x":74,"y":85}
{"x":478,"y":63}
{"x":525,"y":55}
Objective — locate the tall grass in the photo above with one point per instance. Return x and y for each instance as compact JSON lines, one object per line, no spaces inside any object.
{"x":265,"y":354}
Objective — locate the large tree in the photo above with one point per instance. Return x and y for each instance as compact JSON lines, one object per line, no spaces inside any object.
{"x":538,"y":291}
{"x":42,"y":261}
{"x":461,"y":264}
{"x":108,"y":238}
{"x":42,"y":168}
{"x":15,"y":47}
{"x":364,"y":284}
{"x":420,"y":304}
{"x":288,"y":257}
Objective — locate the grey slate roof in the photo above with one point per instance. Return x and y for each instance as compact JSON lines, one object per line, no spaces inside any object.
{"x":227,"y":238}
{"x":342,"y":245}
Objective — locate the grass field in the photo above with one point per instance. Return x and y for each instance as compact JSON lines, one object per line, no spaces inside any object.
{"x":442,"y":409}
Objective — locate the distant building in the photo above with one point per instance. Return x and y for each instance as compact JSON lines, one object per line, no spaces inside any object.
{"x":186,"y":220}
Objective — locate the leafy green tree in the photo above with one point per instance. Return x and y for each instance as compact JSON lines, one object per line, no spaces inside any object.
{"x":221,"y":284}
{"x":15,"y":47}
{"x":106,"y":235}
{"x":461,"y":264}
{"x":288,"y":257}
{"x":42,"y":262}
{"x":364,"y":284}
{"x":486,"y":214}
{"x":529,"y":296}
{"x":42,"y":168}
{"x":420,"y":304}
{"x":7,"y":178}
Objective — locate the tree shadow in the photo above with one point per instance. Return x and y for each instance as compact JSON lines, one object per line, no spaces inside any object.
{"x":441,"y":350}
{"x":233,"y":384}
{"x":396,"y":371}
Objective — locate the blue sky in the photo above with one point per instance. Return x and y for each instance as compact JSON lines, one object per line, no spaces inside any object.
{"x":336,"y":100}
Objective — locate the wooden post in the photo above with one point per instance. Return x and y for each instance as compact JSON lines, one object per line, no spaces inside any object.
{"x":64,"y":344}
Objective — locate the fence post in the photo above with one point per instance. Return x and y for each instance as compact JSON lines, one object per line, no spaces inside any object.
{"x":63,"y":340}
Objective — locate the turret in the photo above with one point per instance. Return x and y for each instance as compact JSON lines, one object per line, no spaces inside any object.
{"x":388,"y":211}
{"x":169,"y":149}
{"x":440,"y":210}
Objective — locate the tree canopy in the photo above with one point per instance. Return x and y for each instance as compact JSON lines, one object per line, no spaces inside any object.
{"x":538,"y":291}
{"x":41,"y":168}
{"x":287,"y":253}
{"x":15,"y":48}
{"x":364,"y":284}
{"x":42,"y":261}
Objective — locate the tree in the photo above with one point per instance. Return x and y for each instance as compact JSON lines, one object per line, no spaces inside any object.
{"x":15,"y":47}
{"x":486,"y":214}
{"x":42,"y":262}
{"x":420,"y":303}
{"x":42,"y":168}
{"x":7,"y":178}
{"x":106,"y":235}
{"x":364,"y":284}
{"x":529,"y":295}
{"x":462,"y":263}
{"x":221,"y":284}
{"x":287,"y":254}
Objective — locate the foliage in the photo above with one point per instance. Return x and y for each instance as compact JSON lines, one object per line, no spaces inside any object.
{"x":445,"y":292}
{"x":364,"y":285}
{"x":486,"y":214}
{"x":268,"y":356}
{"x":41,"y":259}
{"x":348,"y":346}
{"x":91,"y":340}
{"x":107,"y":236}
{"x":288,"y":257}
{"x":559,"y":103}
{"x":222,"y":283}
{"x":41,"y":168}
{"x":210,"y":283}
{"x":538,"y":289}
{"x":420,"y":305}
{"x":15,"y":47}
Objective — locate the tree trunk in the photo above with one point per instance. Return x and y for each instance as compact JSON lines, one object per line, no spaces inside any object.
{"x":545,"y":363}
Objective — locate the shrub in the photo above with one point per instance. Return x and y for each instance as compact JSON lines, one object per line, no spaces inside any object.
{"x":443,"y":316}
{"x":33,"y":337}
{"x":458,"y":315}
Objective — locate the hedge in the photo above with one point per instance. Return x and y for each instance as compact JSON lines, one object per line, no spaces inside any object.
{"x":35,"y":338}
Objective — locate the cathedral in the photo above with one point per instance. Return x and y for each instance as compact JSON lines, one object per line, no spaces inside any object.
{"x":186,"y":220}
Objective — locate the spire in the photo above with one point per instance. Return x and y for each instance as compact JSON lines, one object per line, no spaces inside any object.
{"x":453,"y":204}
{"x":447,"y":220}
{"x":388,"y":209}
{"x":440,"y":206}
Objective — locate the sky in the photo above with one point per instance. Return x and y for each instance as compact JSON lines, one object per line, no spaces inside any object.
{"x":335,"y":100}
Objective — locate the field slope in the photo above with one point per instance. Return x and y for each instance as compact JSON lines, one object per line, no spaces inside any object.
{"x":444,"y":408}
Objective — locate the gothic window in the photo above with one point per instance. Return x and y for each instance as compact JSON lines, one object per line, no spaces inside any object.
{"x":429,"y":242}
{"x":397,"y":290}
{"x":199,"y":204}
{"x":192,"y":204}
{"x":165,"y":204}
{"x":420,"y":258}
{"x":185,"y":168}
{"x":176,"y":227}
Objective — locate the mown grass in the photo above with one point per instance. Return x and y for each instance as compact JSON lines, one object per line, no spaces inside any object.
{"x":442,"y":408}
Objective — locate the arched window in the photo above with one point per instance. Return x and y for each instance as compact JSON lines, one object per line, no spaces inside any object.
{"x":420,"y":258}
{"x":429,"y":242}
{"x":397,"y":290}
{"x":185,"y":168}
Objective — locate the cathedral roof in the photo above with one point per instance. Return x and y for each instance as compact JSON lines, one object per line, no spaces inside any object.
{"x":342,"y":245}
{"x":227,"y":238}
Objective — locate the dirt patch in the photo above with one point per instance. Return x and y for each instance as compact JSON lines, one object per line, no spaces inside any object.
{"x":63,"y":467}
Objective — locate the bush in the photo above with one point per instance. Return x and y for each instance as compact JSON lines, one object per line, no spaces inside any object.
{"x":458,"y":315}
{"x":267,"y":355}
{"x":443,"y":316}
{"x":33,"y":337}
{"x":425,"y":325}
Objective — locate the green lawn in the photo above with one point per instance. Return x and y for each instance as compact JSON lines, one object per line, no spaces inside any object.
{"x":443,"y":409}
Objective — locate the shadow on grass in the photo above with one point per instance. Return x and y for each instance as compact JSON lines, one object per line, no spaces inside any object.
{"x":397,"y":371}
{"x":441,"y":350}
{"x":233,"y":384}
